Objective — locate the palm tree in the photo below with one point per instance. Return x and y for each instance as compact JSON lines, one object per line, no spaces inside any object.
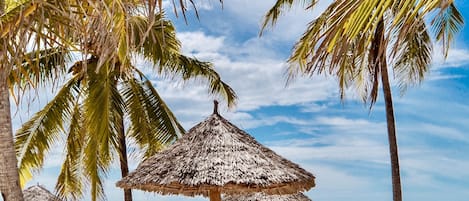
{"x":25,"y":25}
{"x":49,"y":24}
{"x":358,"y":41}
{"x":91,"y":107}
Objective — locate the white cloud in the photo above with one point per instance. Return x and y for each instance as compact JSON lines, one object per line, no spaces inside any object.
{"x":197,"y":42}
{"x":289,"y":26}
{"x":355,"y":151}
{"x":259,"y":81}
{"x":442,"y":132}
{"x":426,"y":167}
{"x":339,"y":139}
{"x":456,"y":58}
{"x":438,"y":76}
{"x":342,"y":122}
{"x":313,"y":107}
{"x":247,"y":121}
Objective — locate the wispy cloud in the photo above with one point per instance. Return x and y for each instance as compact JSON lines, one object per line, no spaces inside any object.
{"x":457,"y":57}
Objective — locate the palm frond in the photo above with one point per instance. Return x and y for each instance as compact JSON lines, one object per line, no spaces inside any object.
{"x":162,"y":48}
{"x":345,"y":30}
{"x":313,"y":50}
{"x":168,"y":128}
{"x":190,"y":68}
{"x":280,"y":6}
{"x":93,"y":170}
{"x":34,"y":139}
{"x":446,"y":24}
{"x":12,"y":4}
{"x":413,"y":56}
{"x":38,"y":68}
{"x":183,"y":7}
{"x":14,"y":13}
{"x":103,"y":105}
{"x":139,"y":128}
{"x":33,"y":26}
{"x":377,"y":54}
{"x":161,"y":128}
{"x":155,"y":42}
{"x":69,"y":185}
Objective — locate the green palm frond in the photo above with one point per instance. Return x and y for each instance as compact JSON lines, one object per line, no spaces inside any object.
{"x":155,"y":42}
{"x":93,"y":171}
{"x":167,"y":128}
{"x":312,"y":51}
{"x":413,"y":56}
{"x":13,"y":14}
{"x":34,"y":139}
{"x":280,"y":6}
{"x":12,"y":4}
{"x":340,"y":41}
{"x":44,"y":21}
{"x":184,"y":7}
{"x":140,"y":129}
{"x":189,"y":68}
{"x":70,"y":184}
{"x":163,"y":49}
{"x":39,"y":67}
{"x":103,"y":106}
{"x":161,"y":126}
{"x":348,"y":61}
{"x":349,"y":19}
{"x":446,"y":24}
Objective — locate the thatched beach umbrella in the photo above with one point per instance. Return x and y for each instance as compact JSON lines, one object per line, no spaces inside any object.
{"x":38,"y":193}
{"x":264,"y":197}
{"x":215,"y":157}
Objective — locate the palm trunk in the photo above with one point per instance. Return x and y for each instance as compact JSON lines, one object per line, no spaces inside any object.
{"x":393,"y":150}
{"x":123,"y":159}
{"x":9,"y":178}
{"x":380,"y":59}
{"x":123,"y":153}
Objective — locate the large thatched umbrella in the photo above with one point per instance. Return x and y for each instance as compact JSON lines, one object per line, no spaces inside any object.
{"x":215,"y":157}
{"x":38,"y":193}
{"x":264,"y":197}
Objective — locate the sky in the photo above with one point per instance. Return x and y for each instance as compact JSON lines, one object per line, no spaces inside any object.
{"x":343,"y":144}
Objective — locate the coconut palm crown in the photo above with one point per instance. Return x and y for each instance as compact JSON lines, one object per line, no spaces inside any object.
{"x":31,"y":28}
{"x":90,"y":109}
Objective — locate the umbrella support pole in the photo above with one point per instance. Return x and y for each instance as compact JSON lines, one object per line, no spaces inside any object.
{"x":215,"y":195}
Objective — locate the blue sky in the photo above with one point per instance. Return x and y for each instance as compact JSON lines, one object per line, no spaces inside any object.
{"x":343,"y":144}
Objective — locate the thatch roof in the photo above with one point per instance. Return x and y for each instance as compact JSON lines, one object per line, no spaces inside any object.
{"x":215,"y":155}
{"x":38,"y":193}
{"x":264,"y":197}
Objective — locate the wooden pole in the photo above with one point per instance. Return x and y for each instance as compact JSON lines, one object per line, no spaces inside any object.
{"x":215,"y":107}
{"x":215,"y":195}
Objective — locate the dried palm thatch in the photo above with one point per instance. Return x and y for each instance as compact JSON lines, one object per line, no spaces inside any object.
{"x":217,"y":157}
{"x":38,"y":193}
{"x":264,"y":197}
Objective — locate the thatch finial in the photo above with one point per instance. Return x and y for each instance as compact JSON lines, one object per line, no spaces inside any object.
{"x":215,"y":107}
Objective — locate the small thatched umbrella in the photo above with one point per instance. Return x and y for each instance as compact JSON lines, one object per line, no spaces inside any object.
{"x":38,"y":193}
{"x":264,"y":197}
{"x":215,"y":157}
